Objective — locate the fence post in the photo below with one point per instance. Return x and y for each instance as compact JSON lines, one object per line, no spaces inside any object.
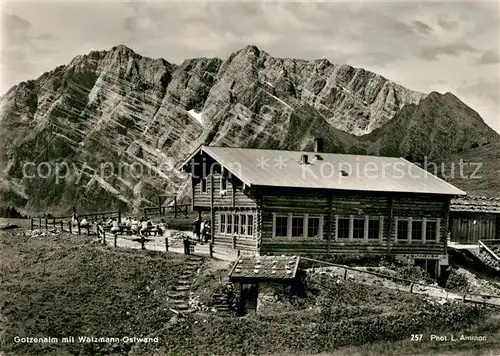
{"x":70,"y":229}
{"x":159,"y":205}
{"x":40,"y":223}
{"x":104,"y":237}
{"x":142,"y":243}
{"x":175,"y":206}
{"x":463,"y":299}
{"x":411,"y":288}
{"x":211,"y":249}
{"x":97,"y":229}
{"x":31,"y":222}
{"x":78,"y":225}
{"x":166,"y":244}
{"x":119,"y":216}
{"x":115,"y":240}
{"x":345,"y":274}
{"x":54,"y":222}
{"x":234,"y":241}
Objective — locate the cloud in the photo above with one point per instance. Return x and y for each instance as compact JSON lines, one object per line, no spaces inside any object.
{"x":423,"y":27}
{"x":452,"y":49}
{"x":489,"y":57}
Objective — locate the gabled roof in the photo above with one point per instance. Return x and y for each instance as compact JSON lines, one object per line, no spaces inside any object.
{"x":265,"y":267}
{"x":476,"y":205}
{"x":279,"y":168}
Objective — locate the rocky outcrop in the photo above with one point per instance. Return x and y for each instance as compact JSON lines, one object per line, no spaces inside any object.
{"x":122,"y":122}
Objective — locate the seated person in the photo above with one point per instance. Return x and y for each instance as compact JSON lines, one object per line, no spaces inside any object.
{"x":115,"y":226}
{"x":159,"y":230}
{"x":109,"y":222}
{"x":134,"y":226}
{"x":150,"y":224}
{"x":74,"y":221}
{"x":84,"y":223}
{"x":128,"y":221}
{"x":144,"y":227}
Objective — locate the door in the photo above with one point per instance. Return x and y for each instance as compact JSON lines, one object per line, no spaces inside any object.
{"x":249,"y":296}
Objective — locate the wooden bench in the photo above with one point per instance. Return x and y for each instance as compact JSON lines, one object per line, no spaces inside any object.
{"x":151,"y":230}
{"x":124,"y":230}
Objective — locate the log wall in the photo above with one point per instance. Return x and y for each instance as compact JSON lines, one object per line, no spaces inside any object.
{"x":387,"y":208}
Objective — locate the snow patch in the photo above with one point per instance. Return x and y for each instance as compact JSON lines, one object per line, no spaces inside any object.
{"x":197,"y":116}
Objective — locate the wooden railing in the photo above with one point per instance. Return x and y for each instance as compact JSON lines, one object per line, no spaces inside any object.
{"x":64,"y":223}
{"x":177,"y":210}
{"x":482,"y":245}
{"x":469,"y":297}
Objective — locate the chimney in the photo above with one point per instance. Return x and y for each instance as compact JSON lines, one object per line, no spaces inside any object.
{"x":304,"y":159}
{"x":319,"y":144}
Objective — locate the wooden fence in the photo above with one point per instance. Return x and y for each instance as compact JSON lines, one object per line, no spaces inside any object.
{"x":103,"y":234}
{"x":64,"y":223}
{"x":176,"y":210}
{"x":491,"y":300}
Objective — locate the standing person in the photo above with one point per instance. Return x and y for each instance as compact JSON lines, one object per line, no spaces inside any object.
{"x":74,"y":220}
{"x":196,"y":228}
{"x":207,"y":230}
{"x":202,"y":231}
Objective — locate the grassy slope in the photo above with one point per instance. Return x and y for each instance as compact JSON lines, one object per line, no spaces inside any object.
{"x":336,"y":318}
{"x":484,"y":181}
{"x":70,"y":287}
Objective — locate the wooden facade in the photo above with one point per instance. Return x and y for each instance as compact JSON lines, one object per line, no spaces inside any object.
{"x":276,"y":220}
{"x":474,"y":218}
{"x":237,"y":207}
{"x":469,"y":227}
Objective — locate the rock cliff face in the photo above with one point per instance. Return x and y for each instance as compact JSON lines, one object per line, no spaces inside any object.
{"x":121,"y":122}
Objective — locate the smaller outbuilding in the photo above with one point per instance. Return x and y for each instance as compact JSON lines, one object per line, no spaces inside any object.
{"x":474,"y":218}
{"x":258,"y":277}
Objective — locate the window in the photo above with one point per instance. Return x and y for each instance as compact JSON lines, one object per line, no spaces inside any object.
{"x":223,"y":183}
{"x":236,"y":219}
{"x":236,"y":224}
{"x":229,"y":229}
{"x":402,"y":233}
{"x":417,"y":230}
{"x":223,"y":223}
{"x":313,"y":227}
{"x":297,"y":226}
{"x":343,"y":229}
{"x":249,"y":225}
{"x":243,"y":225}
{"x":358,"y":230}
{"x":281,"y":226}
{"x":204,"y":185}
{"x":373,"y":229}
{"x":431,"y":231}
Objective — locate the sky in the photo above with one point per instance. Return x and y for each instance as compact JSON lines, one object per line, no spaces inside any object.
{"x":425,"y":46}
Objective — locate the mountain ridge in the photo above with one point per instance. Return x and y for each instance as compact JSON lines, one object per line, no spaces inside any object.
{"x":116,"y":106}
